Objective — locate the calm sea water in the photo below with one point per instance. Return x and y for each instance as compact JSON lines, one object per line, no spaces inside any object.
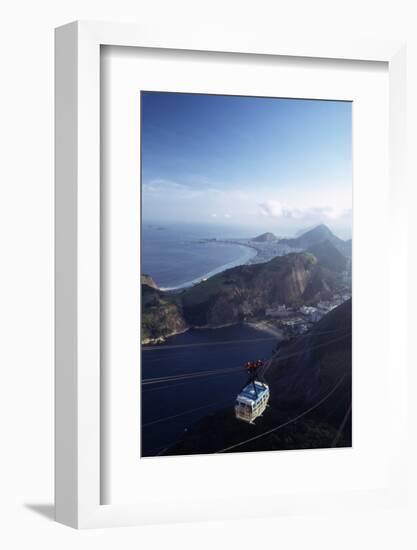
{"x":173,"y":257}
{"x":168,"y":408}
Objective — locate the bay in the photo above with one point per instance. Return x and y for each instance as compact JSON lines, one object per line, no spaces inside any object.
{"x":205,"y":370}
{"x":175,"y":256}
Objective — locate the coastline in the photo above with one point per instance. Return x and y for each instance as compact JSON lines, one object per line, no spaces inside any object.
{"x":261,"y":326}
{"x":241,"y":261}
{"x":160,"y":341}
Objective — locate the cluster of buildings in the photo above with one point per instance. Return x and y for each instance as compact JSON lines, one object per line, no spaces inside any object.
{"x":298,"y":320}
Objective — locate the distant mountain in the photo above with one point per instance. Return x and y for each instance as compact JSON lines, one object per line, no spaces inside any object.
{"x":246,"y":291}
{"x":316,"y":236}
{"x":264,"y":238}
{"x":346,"y":248}
{"x":329,"y":256}
{"x":310,"y":381}
{"x":304,"y":230}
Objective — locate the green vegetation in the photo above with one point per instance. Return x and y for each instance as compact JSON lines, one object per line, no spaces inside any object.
{"x":329,"y":256}
{"x":160,"y":316}
{"x":235,"y":295}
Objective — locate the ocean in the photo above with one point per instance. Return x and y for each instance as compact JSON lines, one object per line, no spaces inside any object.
{"x":175,"y":257}
{"x":206,"y":371}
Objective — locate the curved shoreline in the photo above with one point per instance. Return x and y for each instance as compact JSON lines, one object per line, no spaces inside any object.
{"x":241,"y":261}
{"x":260,"y":326}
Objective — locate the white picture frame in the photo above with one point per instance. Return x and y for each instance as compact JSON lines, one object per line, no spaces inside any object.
{"x":78,"y":405}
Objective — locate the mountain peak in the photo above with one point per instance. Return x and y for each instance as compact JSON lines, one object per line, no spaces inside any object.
{"x":321,"y":229}
{"x":317,"y":235}
{"x":265,"y":237}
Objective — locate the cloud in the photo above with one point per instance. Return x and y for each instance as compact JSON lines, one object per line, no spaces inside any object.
{"x":166,"y":189}
{"x":180,"y":200}
{"x":331,"y":213}
{"x":157,"y":186}
{"x":278,"y":210}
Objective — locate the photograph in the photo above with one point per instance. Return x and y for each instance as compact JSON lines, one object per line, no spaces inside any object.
{"x":199,"y":205}
{"x":246,"y":273}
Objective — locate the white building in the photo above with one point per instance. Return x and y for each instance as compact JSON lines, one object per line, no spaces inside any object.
{"x":277,"y":311}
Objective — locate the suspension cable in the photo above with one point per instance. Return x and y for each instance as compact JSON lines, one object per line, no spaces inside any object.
{"x":204,"y":374}
{"x":189,"y":411}
{"x":287,"y":422}
{"x":202,"y":344}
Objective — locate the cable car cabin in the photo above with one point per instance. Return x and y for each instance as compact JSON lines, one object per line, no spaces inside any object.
{"x":252,"y":401}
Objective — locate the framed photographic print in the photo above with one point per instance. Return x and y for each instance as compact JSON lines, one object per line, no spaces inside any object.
{"x":228,"y":213}
{"x":236,"y":321}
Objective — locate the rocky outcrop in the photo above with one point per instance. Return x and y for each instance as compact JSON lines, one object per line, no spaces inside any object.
{"x":161,"y":316}
{"x":246,"y":291}
{"x":147,"y":280}
{"x":329,"y":256}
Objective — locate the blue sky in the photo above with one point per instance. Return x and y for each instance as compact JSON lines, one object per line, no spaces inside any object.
{"x":273,"y":164}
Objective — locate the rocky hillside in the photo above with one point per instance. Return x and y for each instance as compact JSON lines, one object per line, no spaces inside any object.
{"x":329,"y":256}
{"x":147,"y":280}
{"x":346,"y":248}
{"x":161,"y":315}
{"x":310,"y":365}
{"x":243,"y":292}
{"x":246,"y":291}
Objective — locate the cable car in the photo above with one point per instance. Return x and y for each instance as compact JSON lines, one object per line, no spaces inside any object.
{"x":253,"y":398}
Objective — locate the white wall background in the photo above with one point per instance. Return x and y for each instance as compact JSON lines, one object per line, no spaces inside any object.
{"x":26,"y":274}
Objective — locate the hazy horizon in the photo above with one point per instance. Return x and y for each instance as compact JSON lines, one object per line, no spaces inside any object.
{"x":239,"y":231}
{"x":279,"y":165}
